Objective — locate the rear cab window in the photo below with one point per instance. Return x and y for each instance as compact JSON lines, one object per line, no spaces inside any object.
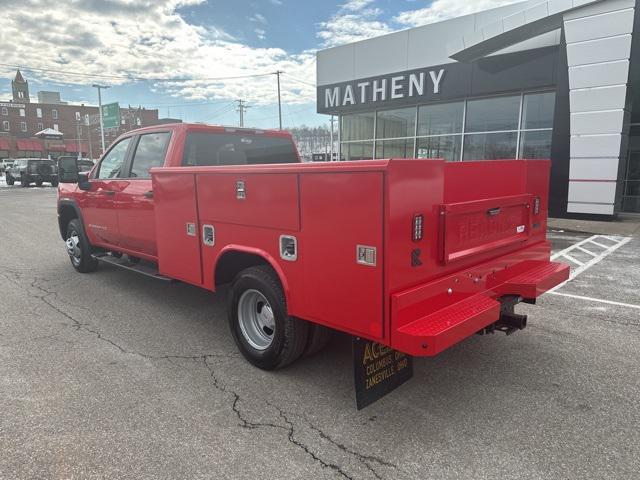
{"x":223,"y":148}
{"x":150,"y":153}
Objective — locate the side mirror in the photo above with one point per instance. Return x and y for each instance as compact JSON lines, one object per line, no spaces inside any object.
{"x":83,"y":181}
{"x":68,"y":170}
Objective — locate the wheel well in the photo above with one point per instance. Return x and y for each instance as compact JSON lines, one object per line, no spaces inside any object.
{"x":233,"y":262}
{"x":67,"y":213}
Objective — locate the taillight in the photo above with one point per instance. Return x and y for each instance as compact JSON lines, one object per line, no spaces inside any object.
{"x":418,"y":227}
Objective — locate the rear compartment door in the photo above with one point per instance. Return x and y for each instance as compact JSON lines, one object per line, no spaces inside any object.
{"x":473,"y":228}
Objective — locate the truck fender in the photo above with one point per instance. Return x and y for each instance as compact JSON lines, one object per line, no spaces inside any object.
{"x":268,"y":258}
{"x":63,"y":220}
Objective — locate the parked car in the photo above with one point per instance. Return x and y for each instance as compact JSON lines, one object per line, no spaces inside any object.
{"x":5,"y":164}
{"x":33,"y":170}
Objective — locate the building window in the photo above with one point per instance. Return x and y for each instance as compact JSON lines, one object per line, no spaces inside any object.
{"x":23,"y":126}
{"x":358,"y":127}
{"x":501,"y":127}
{"x":5,"y":111}
{"x":54,"y":114}
{"x":20,"y":94}
{"x":5,"y":126}
{"x":55,"y":127}
{"x":398,"y":123}
{"x":78,"y":116}
{"x":138,"y":122}
{"x":22,"y":112}
{"x":40,"y":126}
{"x":39,"y":112}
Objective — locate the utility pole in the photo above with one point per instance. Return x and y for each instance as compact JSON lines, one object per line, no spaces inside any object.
{"x":100,"y":87}
{"x":331,"y":159}
{"x":278,"y":73}
{"x":242,"y":108}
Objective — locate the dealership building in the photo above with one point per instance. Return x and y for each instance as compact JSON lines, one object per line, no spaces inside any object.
{"x":550,"y":79}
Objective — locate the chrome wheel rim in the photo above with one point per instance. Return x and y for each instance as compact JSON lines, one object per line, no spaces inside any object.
{"x":73,"y":248}
{"x":256,"y":320}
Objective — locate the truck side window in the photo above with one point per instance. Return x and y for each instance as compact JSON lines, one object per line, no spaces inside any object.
{"x":212,"y":149}
{"x":150,"y":152}
{"x":112,"y":163}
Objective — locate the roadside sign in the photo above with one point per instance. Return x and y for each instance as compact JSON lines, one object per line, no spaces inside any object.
{"x":111,"y":115}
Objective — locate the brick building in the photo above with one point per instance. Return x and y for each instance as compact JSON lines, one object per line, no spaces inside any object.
{"x":21,"y":120}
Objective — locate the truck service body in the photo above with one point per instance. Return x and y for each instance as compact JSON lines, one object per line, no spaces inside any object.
{"x":416,"y":255}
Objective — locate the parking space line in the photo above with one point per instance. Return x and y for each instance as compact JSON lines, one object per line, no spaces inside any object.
{"x":620,"y":242}
{"x":597,"y":300}
{"x":598,"y":244}
{"x":588,"y":252}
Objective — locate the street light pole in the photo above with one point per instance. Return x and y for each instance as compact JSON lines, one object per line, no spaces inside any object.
{"x":100,"y":87}
{"x":279,"y":99}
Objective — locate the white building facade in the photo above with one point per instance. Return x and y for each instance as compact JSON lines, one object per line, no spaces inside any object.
{"x":537,"y":79}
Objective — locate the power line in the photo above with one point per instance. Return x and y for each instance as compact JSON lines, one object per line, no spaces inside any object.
{"x":298,"y":80}
{"x":134,"y":77}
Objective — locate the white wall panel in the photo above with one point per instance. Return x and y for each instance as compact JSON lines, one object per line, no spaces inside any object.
{"x":599,"y":122}
{"x":599,"y":26}
{"x":594,"y":169}
{"x":600,"y":50}
{"x":388,"y":52}
{"x":590,"y":208}
{"x":600,"y":98}
{"x":599,"y":74}
{"x":335,"y":65}
{"x":598,"y":8}
{"x":592,"y":192}
{"x":588,"y":146}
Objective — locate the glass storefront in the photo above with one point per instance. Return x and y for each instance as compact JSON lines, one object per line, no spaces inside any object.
{"x":631,"y":191}
{"x":500,"y":127}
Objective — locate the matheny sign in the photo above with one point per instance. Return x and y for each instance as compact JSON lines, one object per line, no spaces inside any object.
{"x":399,"y":88}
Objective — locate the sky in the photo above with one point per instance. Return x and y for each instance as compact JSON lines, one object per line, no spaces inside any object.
{"x":192,"y":59}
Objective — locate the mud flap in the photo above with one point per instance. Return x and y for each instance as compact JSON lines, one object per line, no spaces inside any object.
{"x":378,"y":370}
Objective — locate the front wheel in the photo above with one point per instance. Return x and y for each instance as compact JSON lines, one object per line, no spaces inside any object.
{"x":54,"y":183}
{"x":79,"y":248}
{"x":38,"y":183}
{"x":263,"y":330}
{"x":10,"y":180}
{"x":24,"y":182}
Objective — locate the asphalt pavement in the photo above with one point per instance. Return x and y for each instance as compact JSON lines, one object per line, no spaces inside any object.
{"x":112,"y":375}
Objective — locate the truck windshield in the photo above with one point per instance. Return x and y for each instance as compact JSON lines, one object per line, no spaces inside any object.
{"x":211,"y":149}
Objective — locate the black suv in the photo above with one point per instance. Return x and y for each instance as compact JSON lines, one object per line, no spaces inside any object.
{"x":32,"y":170}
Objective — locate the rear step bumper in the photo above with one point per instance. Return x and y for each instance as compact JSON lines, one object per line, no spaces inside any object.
{"x":432,"y":318}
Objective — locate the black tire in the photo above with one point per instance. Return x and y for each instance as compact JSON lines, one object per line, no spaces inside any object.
{"x":289,"y":337}
{"x":319,"y":337}
{"x":23,"y":182}
{"x":54,"y":183}
{"x":38,"y":183}
{"x":10,"y":180}
{"x":84,"y":263}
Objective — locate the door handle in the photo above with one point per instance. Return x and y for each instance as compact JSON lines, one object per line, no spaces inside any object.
{"x":108,"y":192}
{"x":148,"y":194}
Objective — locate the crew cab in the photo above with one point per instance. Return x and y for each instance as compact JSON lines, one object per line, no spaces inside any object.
{"x":416,"y":255}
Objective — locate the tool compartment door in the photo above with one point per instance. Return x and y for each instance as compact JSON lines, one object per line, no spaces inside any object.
{"x":340,"y":211}
{"x":472,"y":228}
{"x":176,"y":219}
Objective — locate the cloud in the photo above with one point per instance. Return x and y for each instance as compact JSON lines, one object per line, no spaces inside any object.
{"x":441,"y":10}
{"x":151,"y":39}
{"x":356,"y":20}
{"x":277,"y":3}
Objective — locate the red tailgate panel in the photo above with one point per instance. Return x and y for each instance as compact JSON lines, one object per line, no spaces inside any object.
{"x":471,"y":228}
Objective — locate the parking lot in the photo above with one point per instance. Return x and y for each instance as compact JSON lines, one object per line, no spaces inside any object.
{"x":111,"y":375}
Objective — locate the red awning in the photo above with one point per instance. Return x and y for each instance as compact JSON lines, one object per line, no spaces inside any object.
{"x":72,"y":147}
{"x":30,"y":145}
{"x":4,"y":144}
{"x":56,"y":148}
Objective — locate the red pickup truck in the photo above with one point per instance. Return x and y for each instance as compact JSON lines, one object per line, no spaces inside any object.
{"x":416,"y":255}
